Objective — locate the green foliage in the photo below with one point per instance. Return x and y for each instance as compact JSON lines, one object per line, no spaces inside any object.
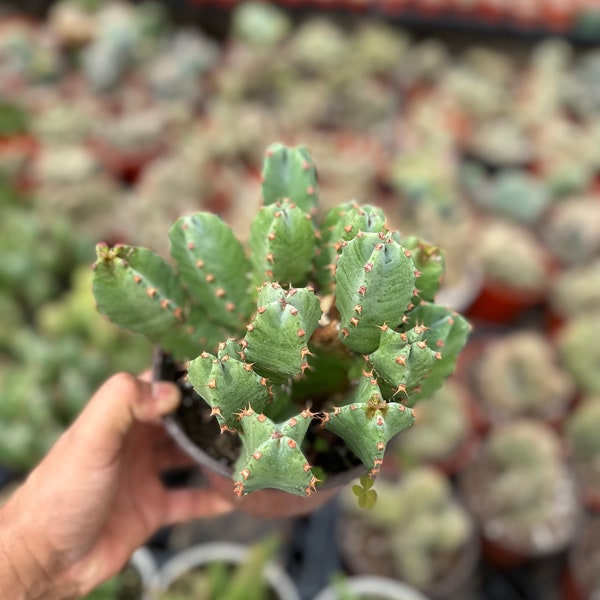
{"x":13,"y":119}
{"x":581,"y":430}
{"x":367,"y":496}
{"x":519,"y":375}
{"x":285,"y":326}
{"x":417,"y":520}
{"x":219,"y":580}
{"x":579,"y":350}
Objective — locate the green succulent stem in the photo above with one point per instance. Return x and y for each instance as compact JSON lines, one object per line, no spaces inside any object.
{"x":326,"y":322}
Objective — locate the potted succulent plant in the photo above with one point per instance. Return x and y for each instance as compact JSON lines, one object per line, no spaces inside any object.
{"x":513,"y":281}
{"x":216,"y":570}
{"x":511,"y":193}
{"x":521,"y":493}
{"x":499,"y":143}
{"x":323,"y":332}
{"x":418,"y":532}
{"x":573,"y":291}
{"x":127,"y":142}
{"x":570,"y":230}
{"x":518,"y":374}
{"x":577,"y":343}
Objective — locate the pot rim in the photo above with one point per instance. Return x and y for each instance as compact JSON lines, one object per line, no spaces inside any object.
{"x":205,"y":553}
{"x":205,"y":460}
{"x":385,"y":587}
{"x":144,"y":563}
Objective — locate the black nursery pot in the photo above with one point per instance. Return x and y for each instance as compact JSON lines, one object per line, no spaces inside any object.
{"x":199,"y":435}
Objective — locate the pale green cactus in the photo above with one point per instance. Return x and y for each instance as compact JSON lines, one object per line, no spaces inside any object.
{"x":416,"y":526}
{"x":571,"y":230}
{"x":576,"y":290}
{"x":519,"y":374}
{"x":278,"y":332}
{"x":520,"y":490}
{"x":579,"y":350}
{"x":512,"y":193}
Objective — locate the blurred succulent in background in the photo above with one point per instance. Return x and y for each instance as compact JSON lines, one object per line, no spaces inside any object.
{"x":579,"y":350}
{"x":416,"y":527}
{"x":510,"y":193}
{"x":260,"y":25}
{"x":520,"y":490}
{"x":571,"y":231}
{"x":52,"y":365}
{"x":519,"y":375}
{"x":524,"y":269}
{"x":500,"y":143}
{"x":576,"y":290}
{"x":124,"y":35}
{"x":177,"y":73}
{"x":581,"y":430}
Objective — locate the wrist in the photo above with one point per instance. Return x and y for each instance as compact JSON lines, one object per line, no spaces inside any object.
{"x":26,"y":571}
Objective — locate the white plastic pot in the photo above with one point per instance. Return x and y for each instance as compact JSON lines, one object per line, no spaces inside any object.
{"x":382,"y":588}
{"x":142,"y":560}
{"x":203,"y":554}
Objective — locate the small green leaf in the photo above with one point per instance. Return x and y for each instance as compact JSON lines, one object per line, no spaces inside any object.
{"x":367,"y":497}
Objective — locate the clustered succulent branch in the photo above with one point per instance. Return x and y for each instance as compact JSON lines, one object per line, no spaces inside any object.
{"x":333,"y":322}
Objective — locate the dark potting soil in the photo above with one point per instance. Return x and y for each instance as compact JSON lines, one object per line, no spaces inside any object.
{"x":324,"y":450}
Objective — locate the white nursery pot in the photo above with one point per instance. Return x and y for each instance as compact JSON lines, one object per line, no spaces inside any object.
{"x":382,"y":588}
{"x":202,"y":554}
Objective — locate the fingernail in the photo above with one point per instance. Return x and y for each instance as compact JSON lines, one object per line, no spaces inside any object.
{"x":166,"y":395}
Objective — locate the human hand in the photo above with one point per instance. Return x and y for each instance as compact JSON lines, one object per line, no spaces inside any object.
{"x":97,"y":495}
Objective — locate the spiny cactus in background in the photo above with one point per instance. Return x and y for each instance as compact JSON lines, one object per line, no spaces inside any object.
{"x":581,"y":432}
{"x":576,"y":290}
{"x":571,"y":230}
{"x":418,"y":523}
{"x":511,"y":193}
{"x":494,"y":236}
{"x":333,"y":323}
{"x":520,"y":375}
{"x":260,"y":25}
{"x":520,"y":489}
{"x":579,"y":350}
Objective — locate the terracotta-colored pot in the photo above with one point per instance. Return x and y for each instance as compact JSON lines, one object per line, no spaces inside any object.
{"x":499,"y":304}
{"x":558,"y":15}
{"x":125,"y":166}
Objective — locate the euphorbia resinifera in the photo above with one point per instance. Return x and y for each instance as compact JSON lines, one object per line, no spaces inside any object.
{"x":327,"y":319}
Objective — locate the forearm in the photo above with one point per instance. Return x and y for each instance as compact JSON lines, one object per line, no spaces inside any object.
{"x":27,"y":571}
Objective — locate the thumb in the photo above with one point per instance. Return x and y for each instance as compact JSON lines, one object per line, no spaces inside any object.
{"x":121,"y":401}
